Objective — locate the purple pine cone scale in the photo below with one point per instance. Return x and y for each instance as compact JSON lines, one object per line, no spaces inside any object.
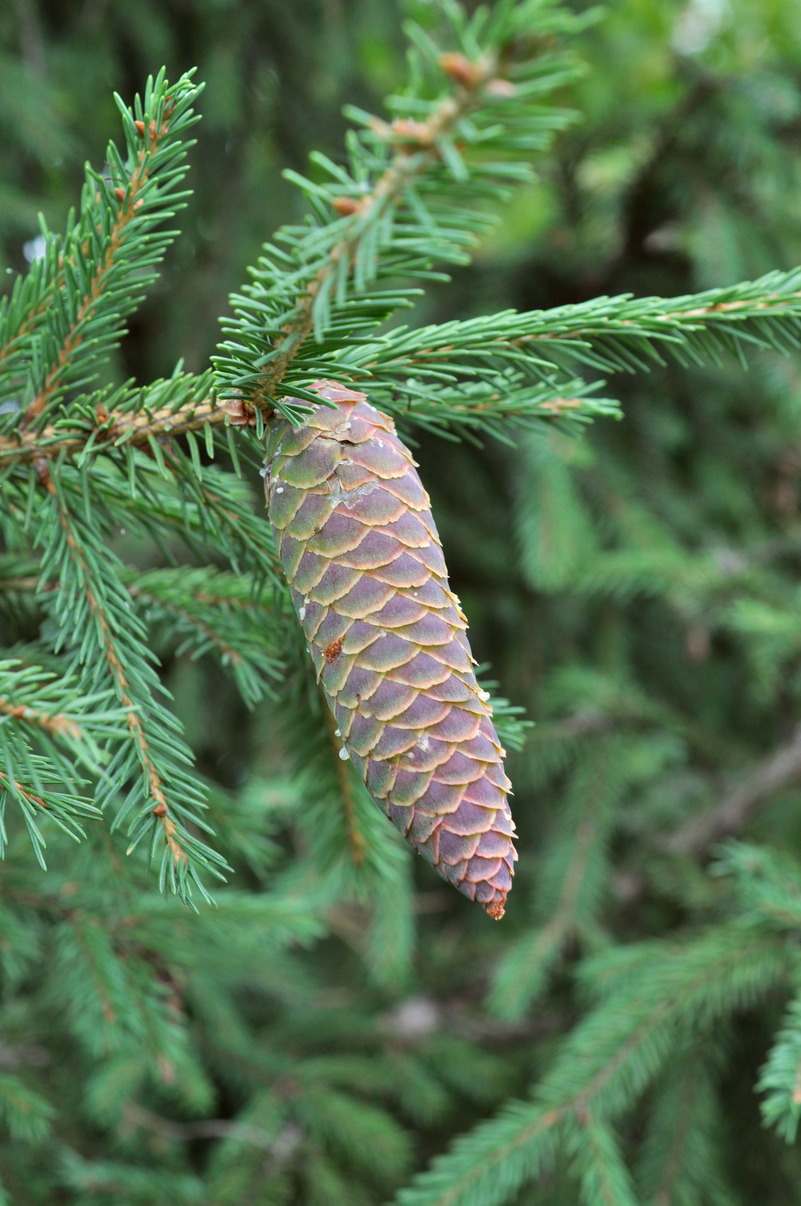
{"x":387,"y":636}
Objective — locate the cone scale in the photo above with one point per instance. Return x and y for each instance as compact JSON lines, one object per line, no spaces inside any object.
{"x":387,"y":636}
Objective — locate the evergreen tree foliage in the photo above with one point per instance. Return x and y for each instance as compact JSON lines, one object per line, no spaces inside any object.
{"x":223,"y":977}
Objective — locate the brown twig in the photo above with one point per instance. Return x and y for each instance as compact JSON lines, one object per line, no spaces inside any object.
{"x":778,"y":770}
{"x":14,"y":784}
{"x":214,"y":1128}
{"x":59,"y":725}
{"x":122,"y":428}
{"x":282,"y":1145}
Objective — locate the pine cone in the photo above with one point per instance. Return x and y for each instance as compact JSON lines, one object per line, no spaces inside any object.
{"x":360,"y":550}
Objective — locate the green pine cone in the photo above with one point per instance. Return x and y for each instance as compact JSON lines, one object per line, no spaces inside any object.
{"x":361,"y":553}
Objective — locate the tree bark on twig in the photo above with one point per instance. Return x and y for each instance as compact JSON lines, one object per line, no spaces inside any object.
{"x":778,"y":770}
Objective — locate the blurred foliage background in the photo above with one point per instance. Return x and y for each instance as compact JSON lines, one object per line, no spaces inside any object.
{"x":636,"y":591}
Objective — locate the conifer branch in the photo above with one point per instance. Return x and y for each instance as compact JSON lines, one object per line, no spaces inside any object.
{"x":780,"y":1078}
{"x":570,"y":878}
{"x":16,"y":788}
{"x":614,"y":333}
{"x":56,"y":725}
{"x":94,"y":609}
{"x":119,"y":677}
{"x":62,"y":321}
{"x":767,"y":882}
{"x":128,"y":201}
{"x":419,"y":144}
{"x":26,"y":586}
{"x":604,"y":1177}
{"x":226,"y":619}
{"x":605,"y":1063}
{"x":680,"y":1155}
{"x":184,"y":616}
{"x":42,"y":745}
{"x":124,"y":428}
{"x":407,"y":199}
{"x":675,"y":1155}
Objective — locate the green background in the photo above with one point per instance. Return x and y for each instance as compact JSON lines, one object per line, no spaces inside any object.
{"x":636,"y":591}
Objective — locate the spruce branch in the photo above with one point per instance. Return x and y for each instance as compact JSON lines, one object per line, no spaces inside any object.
{"x":208,"y":612}
{"x":623,"y":333}
{"x":604,"y":1179}
{"x":571,"y":879}
{"x":49,"y":731}
{"x":420,"y":149}
{"x":211,"y":513}
{"x":62,"y":321}
{"x":606,"y":1062}
{"x":55,"y":725}
{"x":121,"y":428}
{"x":482,"y":373}
{"x":767,"y":882}
{"x":40,"y":798}
{"x":407,"y":199}
{"x":93,"y":610}
{"x":780,"y":1078}
{"x":50,"y":709}
{"x":680,"y":1159}
{"x":26,"y":1113}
